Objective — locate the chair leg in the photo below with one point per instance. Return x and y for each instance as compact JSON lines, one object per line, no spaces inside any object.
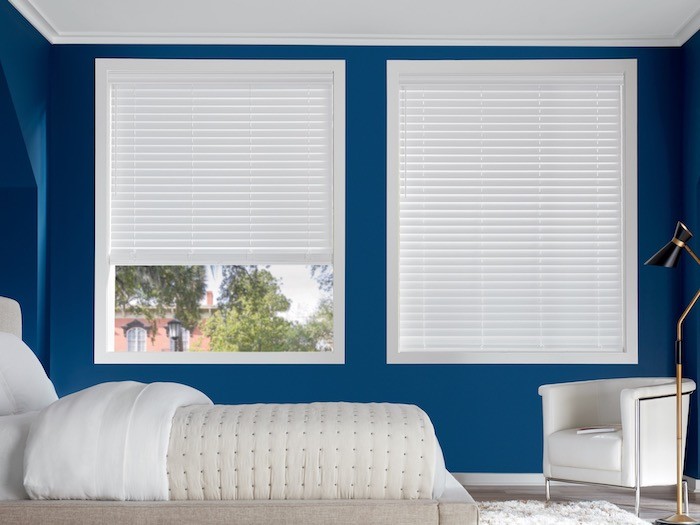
{"x":637,"y":497}
{"x":685,"y":498}
{"x":547,"y":495}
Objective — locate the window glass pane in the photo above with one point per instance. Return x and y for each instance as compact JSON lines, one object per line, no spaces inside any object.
{"x":185,"y":340}
{"x":224,"y":308}
{"x":136,"y":339}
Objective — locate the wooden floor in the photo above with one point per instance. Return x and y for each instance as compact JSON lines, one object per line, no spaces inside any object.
{"x":656,"y":502}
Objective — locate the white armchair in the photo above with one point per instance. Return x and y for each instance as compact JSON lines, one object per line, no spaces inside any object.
{"x":641,"y":454}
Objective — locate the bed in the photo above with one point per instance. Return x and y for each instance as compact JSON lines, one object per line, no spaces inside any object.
{"x":163,"y":452}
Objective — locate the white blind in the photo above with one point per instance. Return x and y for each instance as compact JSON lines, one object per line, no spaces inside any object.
{"x":510,"y":213}
{"x":221,"y":168}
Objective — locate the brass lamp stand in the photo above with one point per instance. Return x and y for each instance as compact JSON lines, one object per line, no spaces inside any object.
{"x":668,"y":257}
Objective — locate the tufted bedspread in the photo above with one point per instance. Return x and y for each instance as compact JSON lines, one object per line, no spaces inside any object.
{"x":303,"y":451}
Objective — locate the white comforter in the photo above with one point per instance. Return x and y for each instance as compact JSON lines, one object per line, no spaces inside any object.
{"x":14,"y":430}
{"x":132,"y":441}
{"x":107,"y":442}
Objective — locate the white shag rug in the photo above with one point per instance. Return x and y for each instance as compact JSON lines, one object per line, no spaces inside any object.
{"x":554,"y":513}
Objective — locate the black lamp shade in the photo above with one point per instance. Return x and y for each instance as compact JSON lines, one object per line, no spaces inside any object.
{"x":669,"y":254}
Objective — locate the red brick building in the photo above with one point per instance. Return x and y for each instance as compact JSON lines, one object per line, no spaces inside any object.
{"x":133,"y":334}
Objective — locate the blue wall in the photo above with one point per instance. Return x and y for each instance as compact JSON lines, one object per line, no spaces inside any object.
{"x":690,"y":190}
{"x":24,"y":71}
{"x":475,"y":408}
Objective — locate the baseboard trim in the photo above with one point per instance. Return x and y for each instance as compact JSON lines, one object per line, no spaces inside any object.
{"x":490,"y":479}
{"x":498,"y":479}
{"x":693,"y":484}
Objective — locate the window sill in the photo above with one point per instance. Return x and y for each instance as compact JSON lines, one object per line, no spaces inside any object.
{"x":502,"y":358}
{"x":221,"y":358}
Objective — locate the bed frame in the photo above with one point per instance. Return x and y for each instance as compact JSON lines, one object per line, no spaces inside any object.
{"x":455,"y":507}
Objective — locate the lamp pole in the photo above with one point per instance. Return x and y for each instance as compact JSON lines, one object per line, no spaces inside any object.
{"x":679,"y":517}
{"x":668,"y":257}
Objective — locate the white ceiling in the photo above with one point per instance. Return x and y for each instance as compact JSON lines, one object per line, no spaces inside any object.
{"x":360,"y":22}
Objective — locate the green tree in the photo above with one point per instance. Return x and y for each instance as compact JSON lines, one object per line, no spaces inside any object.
{"x":323,"y":275}
{"x":316,"y":334}
{"x":232,"y":285}
{"x":319,"y":327}
{"x":151,"y":291}
{"x":248,"y":319}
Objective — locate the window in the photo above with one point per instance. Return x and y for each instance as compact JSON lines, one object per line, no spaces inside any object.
{"x":219,"y":210}
{"x":511,"y":212}
{"x":136,"y":340}
{"x":186,"y":340}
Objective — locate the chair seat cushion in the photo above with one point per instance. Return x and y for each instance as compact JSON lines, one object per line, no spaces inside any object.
{"x":599,"y":451}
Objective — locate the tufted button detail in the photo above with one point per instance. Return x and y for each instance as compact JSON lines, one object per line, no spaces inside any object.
{"x":287,"y":438}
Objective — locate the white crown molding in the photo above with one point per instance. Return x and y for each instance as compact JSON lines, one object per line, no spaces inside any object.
{"x":38,"y":20}
{"x":314,"y":39}
{"x":691,"y":26}
{"x":27,"y":8}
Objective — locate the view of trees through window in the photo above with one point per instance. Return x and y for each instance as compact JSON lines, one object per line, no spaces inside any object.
{"x":259,"y":308}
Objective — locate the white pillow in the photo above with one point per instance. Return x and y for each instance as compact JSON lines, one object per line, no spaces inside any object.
{"x":24,"y":386}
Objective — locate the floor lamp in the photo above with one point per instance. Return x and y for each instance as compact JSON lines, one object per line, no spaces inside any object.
{"x":668,"y":257}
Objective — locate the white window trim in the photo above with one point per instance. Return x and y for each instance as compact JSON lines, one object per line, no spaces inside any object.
{"x":104,"y":272}
{"x":628,"y":67}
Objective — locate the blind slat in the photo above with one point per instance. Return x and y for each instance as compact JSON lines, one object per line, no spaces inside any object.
{"x":221,"y":167}
{"x":510,"y":213}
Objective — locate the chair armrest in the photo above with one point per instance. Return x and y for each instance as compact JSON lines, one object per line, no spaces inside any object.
{"x":657,"y":437}
{"x":629,"y":395}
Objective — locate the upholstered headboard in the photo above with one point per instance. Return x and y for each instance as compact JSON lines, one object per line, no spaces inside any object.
{"x":24,"y":385}
{"x":10,"y":316}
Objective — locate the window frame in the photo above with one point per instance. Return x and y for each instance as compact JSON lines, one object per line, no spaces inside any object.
{"x":103,"y":340}
{"x":626,"y":67}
